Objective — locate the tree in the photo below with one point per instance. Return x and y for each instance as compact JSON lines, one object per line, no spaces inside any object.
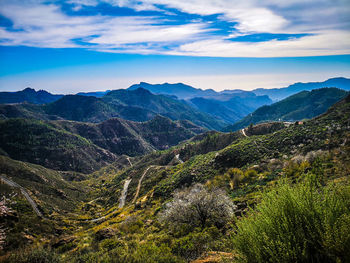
{"x":198,"y":207}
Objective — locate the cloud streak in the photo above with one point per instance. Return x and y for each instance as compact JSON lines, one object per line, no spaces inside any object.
{"x":42,"y":24}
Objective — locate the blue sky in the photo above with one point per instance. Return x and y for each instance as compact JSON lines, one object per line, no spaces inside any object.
{"x":84,"y":45}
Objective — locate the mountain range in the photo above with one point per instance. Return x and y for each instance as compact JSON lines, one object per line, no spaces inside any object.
{"x":281,"y":93}
{"x":135,"y":105}
{"x":143,"y":101}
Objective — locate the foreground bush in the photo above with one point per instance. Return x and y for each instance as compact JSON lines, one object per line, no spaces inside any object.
{"x":134,"y":252}
{"x":301,"y":223}
{"x":34,"y":255}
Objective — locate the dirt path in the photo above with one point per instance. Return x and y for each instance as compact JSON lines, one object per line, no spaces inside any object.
{"x":24,"y":192}
{"x":124,"y":193}
{"x":129,"y":161}
{"x":140,"y":182}
{"x":177,"y":156}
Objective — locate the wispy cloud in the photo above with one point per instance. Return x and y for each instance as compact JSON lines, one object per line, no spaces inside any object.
{"x":326,"y":24}
{"x":325,"y":43}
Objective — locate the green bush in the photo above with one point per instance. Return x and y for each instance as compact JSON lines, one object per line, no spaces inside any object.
{"x":249,"y":176}
{"x":300,"y":223}
{"x":133,"y":252}
{"x":34,"y":255}
{"x":198,"y":242}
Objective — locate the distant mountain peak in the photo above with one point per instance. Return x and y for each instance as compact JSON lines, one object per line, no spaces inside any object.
{"x":142,"y":91}
{"x":28,"y":89}
{"x":180,"y":90}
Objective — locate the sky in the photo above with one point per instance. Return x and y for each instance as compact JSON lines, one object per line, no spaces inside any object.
{"x":89,"y":45}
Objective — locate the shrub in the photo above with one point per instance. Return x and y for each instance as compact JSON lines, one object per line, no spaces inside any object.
{"x":235,"y":176}
{"x":230,"y":180}
{"x":132,"y":252}
{"x":301,"y":223}
{"x":198,"y":242}
{"x":249,"y":176}
{"x":198,"y":207}
{"x":34,"y":255}
{"x":295,"y":168}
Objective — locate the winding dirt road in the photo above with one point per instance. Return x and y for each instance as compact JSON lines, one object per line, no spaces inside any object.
{"x":124,"y":193}
{"x":178,"y":158}
{"x":140,"y":182}
{"x":24,"y":192}
{"x":129,"y":161}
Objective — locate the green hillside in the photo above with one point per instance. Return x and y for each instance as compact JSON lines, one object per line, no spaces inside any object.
{"x":133,"y":138}
{"x":55,"y":198}
{"x":86,"y":147}
{"x":303,"y":105}
{"x":40,"y":143}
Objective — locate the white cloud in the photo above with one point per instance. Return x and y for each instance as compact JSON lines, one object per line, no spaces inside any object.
{"x":45,"y":25}
{"x":125,"y":30}
{"x":268,"y":16}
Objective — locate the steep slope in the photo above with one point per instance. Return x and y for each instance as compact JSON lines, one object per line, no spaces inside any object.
{"x":217,"y":109}
{"x":40,"y":143}
{"x":279,"y":94}
{"x":133,"y":138}
{"x":29,"y":95}
{"x":230,"y":108}
{"x":49,"y":189}
{"x":25,"y":186}
{"x":246,"y":101}
{"x":81,"y":108}
{"x":306,"y":104}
